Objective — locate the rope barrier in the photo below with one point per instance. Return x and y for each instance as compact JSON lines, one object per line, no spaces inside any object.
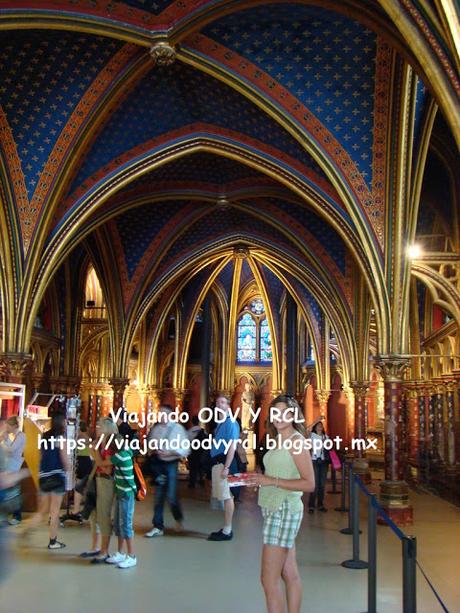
{"x":438,"y":597}
{"x":400,"y":534}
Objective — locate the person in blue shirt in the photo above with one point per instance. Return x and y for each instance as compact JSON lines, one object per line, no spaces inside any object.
{"x":223,"y":465}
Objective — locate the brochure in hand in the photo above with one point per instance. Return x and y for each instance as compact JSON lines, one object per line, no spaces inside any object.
{"x":239,"y":480}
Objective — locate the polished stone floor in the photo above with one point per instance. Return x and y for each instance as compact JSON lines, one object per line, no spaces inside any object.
{"x":187,"y":573}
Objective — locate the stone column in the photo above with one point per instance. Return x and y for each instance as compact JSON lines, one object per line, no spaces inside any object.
{"x":413,"y":427}
{"x":394,"y":492}
{"x":205,"y":352}
{"x":118,"y":385}
{"x":439,"y":422}
{"x":360,"y":464}
{"x":451,"y":458}
{"x":291,"y":345}
{"x":422,"y":431}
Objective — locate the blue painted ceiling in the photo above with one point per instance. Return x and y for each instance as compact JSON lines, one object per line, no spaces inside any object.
{"x":323,"y":58}
{"x":171,"y":98}
{"x":44,"y":76}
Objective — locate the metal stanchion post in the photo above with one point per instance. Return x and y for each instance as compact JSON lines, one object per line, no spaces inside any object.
{"x":355,"y":562}
{"x":372,"y":555}
{"x":343,"y":503}
{"x":349,"y":529}
{"x":334,"y":489}
{"x":409,"y":549}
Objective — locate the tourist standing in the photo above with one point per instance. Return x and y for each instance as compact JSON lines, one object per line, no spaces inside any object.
{"x":321,"y":462}
{"x":225,"y":441}
{"x":288,"y":473}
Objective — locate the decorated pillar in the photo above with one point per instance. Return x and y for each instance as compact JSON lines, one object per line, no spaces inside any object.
{"x":360,"y":464}
{"x":360,"y":389}
{"x":394,"y":492}
{"x":118,"y":385}
{"x":206,"y":352}
{"x":451,"y":459}
{"x":413,"y":427}
{"x":422,"y":431}
{"x":439,"y":421}
{"x":292,"y":363}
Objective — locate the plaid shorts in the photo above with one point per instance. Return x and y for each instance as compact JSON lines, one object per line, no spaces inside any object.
{"x":281,"y":526}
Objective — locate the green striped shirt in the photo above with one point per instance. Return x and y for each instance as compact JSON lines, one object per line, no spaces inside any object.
{"x":124,"y":472}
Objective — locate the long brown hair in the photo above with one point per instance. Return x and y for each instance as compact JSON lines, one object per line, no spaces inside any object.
{"x":291,"y":403}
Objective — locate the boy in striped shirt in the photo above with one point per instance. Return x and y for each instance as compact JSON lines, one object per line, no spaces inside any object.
{"x":125,"y":490}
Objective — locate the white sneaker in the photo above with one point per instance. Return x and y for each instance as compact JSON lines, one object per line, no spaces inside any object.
{"x":116,"y":558}
{"x":178,"y":526}
{"x":128,"y":562}
{"x":154,"y":532}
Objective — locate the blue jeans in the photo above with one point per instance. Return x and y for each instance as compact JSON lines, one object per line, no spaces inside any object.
{"x":166,"y":489}
{"x":123,"y":520}
{"x":320,"y":467}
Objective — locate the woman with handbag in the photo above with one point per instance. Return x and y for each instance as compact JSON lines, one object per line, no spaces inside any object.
{"x":320,"y":457}
{"x":54,"y":463}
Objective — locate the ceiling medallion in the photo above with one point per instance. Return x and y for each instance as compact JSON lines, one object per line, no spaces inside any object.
{"x":163,"y":54}
{"x":241,"y":252}
{"x":223,"y":202}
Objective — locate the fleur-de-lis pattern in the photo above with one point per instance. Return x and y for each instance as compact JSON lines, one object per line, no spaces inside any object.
{"x":323,"y":58}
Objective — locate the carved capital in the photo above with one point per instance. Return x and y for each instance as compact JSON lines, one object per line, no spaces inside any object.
{"x":15,"y":365}
{"x":118,"y":385}
{"x":392,"y":367}
{"x":360,"y":388}
{"x":163,"y":54}
{"x":179,"y":395}
{"x":322,"y":396}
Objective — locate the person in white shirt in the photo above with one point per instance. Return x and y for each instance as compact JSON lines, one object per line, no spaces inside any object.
{"x":321,"y":461}
{"x":166,"y":444}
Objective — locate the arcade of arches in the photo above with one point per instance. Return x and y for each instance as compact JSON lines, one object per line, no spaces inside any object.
{"x":239,"y":197}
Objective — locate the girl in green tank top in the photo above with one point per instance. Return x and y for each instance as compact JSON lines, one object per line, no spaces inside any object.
{"x":288,"y":473}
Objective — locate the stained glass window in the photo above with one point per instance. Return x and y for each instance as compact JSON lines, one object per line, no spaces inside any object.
{"x":247,"y":339}
{"x":265,"y":342}
{"x":257,"y":306}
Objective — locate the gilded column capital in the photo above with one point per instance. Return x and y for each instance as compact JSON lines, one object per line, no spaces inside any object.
{"x":15,"y":365}
{"x":118,"y":384}
{"x":360,"y":388}
{"x":163,"y":53}
{"x":392,"y":367}
{"x":322,"y":396}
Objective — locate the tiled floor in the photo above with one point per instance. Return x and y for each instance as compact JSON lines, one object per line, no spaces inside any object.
{"x":187,"y":573}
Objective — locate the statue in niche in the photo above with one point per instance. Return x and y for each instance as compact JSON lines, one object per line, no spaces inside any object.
{"x":247,"y":403}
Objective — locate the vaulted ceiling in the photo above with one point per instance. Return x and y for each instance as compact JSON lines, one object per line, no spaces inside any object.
{"x":162,"y":135}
